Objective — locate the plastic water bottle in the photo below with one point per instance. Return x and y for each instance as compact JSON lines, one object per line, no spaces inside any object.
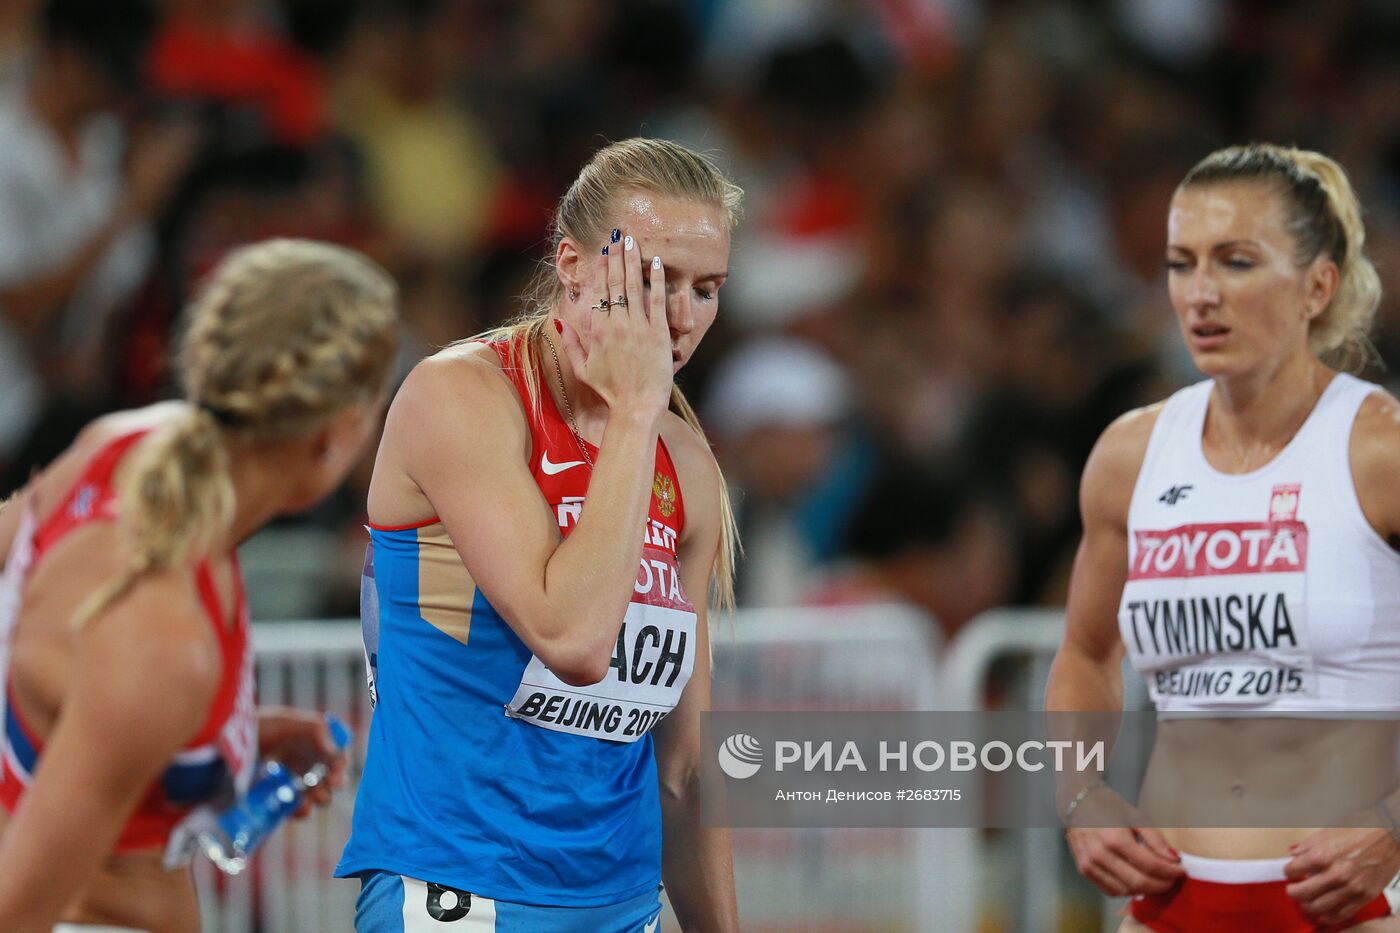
{"x":231,"y":838}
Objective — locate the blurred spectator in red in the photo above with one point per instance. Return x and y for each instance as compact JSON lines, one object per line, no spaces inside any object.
{"x":222,"y":57}
{"x":75,"y":205}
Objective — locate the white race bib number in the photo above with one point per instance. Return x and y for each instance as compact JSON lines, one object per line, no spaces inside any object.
{"x":1215,"y":615}
{"x":651,"y":664}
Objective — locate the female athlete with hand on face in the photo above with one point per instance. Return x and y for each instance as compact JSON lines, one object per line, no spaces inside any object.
{"x":547,"y":523}
{"x":126,"y":674}
{"x":1240,"y":544}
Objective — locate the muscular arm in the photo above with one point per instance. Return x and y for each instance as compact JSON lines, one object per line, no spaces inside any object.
{"x":143,"y":680}
{"x":1087,"y":672}
{"x":1335,"y":872}
{"x":696,"y":861}
{"x":460,"y":433}
{"x":1375,"y":453}
{"x":1087,"y":675}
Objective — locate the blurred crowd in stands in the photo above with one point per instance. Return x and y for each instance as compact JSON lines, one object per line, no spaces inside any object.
{"x":949,"y":280}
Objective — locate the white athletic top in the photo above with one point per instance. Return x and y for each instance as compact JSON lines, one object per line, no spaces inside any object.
{"x":1262,"y":591}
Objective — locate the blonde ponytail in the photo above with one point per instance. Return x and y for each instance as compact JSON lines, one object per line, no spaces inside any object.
{"x":1324,"y":217}
{"x":1343,"y":329}
{"x":176,"y":499}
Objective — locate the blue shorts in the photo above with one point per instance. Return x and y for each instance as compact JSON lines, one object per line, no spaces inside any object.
{"x":391,"y":903}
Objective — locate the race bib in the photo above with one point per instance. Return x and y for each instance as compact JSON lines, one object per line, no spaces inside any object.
{"x":652,"y":661}
{"x":1214,"y":613}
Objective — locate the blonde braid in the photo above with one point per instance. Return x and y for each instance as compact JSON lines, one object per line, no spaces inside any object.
{"x":286,"y":334}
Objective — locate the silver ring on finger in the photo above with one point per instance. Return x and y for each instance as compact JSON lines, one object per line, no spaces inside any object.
{"x":620,"y":301}
{"x":603,"y":305}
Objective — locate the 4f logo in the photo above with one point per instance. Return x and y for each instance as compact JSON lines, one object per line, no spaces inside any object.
{"x":1174,"y":495}
{"x":447,"y":904}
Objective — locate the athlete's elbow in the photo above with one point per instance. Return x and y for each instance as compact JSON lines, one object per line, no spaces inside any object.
{"x":679,"y":784}
{"x":576,"y":665}
{"x":584,"y":674}
{"x":578,"y":649}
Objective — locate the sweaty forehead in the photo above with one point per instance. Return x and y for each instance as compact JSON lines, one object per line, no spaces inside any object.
{"x":657,"y":215}
{"x":1215,"y":213}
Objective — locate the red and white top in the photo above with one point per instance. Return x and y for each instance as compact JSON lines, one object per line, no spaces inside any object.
{"x":1266,"y":590}
{"x":655,"y":653}
{"x":220,"y":756}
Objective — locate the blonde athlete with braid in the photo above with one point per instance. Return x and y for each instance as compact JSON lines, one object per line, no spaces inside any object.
{"x":548,"y":527}
{"x":124,"y":645}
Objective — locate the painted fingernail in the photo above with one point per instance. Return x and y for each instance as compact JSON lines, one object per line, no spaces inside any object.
{"x":559,"y":325}
{"x":656,"y":263}
{"x":605,"y":250}
{"x":1175,"y":854}
{"x":616,"y":235}
{"x":628,"y":243}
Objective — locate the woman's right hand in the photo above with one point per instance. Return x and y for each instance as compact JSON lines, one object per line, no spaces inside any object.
{"x":1116,"y":852}
{"x":624,"y":354}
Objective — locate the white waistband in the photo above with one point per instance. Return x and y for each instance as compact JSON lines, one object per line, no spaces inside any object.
{"x":1234,"y":871}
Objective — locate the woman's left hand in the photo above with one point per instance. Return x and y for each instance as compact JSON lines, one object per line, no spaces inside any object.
{"x":1336,"y":872}
{"x":301,"y":739}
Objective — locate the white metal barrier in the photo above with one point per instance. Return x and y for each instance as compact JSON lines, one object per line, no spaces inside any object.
{"x":812,"y":881}
{"x":1029,"y":638}
{"x":830,"y":880}
{"x":289,"y":888}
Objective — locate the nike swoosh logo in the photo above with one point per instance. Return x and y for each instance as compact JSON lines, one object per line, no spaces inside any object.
{"x":651,"y":927}
{"x":552,"y":468}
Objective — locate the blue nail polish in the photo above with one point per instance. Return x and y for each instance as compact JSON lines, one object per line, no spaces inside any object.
{"x":616,"y":235}
{"x":605,"y":250}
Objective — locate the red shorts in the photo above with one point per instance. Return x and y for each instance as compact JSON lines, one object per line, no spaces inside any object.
{"x":1228,"y":896}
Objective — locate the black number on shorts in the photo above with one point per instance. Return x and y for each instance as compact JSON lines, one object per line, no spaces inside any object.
{"x":460,"y":903}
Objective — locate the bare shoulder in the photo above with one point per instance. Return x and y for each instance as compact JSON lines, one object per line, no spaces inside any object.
{"x":57,"y":477}
{"x":154,"y":645}
{"x":1375,"y":435}
{"x":453,"y":419}
{"x":1374,"y":451}
{"x":1112,"y":470}
{"x":109,"y":427}
{"x":456,"y":382}
{"x":695,"y":463}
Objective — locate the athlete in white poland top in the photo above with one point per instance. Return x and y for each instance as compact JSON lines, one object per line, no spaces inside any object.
{"x":1240,"y":546}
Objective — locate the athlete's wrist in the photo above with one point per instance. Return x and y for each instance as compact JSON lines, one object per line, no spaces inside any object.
{"x":637,"y":416}
{"x":1073,"y":802}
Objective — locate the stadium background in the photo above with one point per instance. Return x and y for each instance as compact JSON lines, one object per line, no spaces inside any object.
{"x":949,"y":279}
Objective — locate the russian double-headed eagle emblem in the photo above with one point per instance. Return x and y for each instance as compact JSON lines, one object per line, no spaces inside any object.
{"x":665,"y":492}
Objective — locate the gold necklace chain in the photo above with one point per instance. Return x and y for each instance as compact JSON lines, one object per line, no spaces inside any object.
{"x":568,"y":409}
